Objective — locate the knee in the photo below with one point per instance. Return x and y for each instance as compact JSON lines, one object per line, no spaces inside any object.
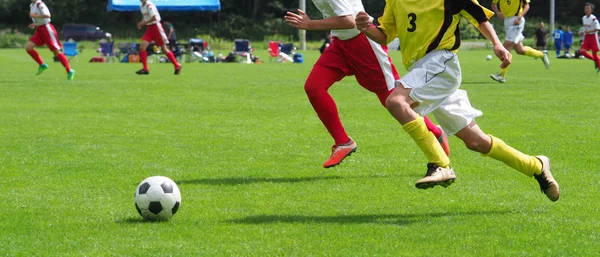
{"x":314,"y":89}
{"x":394,"y":102}
{"x":520,"y":51}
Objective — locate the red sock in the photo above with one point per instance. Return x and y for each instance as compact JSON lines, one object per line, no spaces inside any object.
{"x":586,"y":55}
{"x":144,"y":59}
{"x":431,"y":127}
{"x":316,"y":86}
{"x":64,"y":61}
{"x":172,"y":59}
{"x":36,"y":57}
{"x":596,"y":60}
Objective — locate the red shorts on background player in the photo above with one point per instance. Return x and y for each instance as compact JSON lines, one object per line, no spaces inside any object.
{"x":154,"y":32}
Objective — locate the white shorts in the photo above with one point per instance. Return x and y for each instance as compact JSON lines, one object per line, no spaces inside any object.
{"x":434,"y":81}
{"x":514,"y":33}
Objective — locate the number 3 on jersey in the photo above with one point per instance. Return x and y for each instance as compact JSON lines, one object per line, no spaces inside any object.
{"x":412,"y":26}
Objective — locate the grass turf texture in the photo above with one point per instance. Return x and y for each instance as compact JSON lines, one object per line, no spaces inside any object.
{"x":246,"y":150}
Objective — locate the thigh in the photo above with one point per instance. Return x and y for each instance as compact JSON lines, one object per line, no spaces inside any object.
{"x":456,"y":112}
{"x":432,"y":79}
{"x":371,"y":64}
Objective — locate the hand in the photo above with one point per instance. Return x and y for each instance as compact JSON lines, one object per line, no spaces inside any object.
{"x":299,"y":21}
{"x":363,"y":21}
{"x":140,"y":25}
{"x":503,"y":54}
{"x":32,"y":26}
{"x":517,"y":21}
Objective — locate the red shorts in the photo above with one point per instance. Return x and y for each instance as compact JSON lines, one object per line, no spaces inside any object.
{"x":366,"y":60}
{"x":46,"y":35}
{"x":156,"y":33}
{"x":590,"y":42}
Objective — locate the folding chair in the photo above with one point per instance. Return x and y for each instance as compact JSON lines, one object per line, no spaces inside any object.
{"x":242,"y":48}
{"x":287,"y":51}
{"x":274,"y":51}
{"x":107,"y":51}
{"x":196,"y":48}
{"x":70,"y":50}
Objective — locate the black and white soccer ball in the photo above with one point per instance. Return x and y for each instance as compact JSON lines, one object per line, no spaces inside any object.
{"x":157,"y":198}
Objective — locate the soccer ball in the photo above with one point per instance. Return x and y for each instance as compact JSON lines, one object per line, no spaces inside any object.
{"x":488,"y":57}
{"x":157,"y":198}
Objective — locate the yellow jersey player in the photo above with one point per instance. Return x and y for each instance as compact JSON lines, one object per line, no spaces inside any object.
{"x":429,"y":40}
{"x":513,"y":12}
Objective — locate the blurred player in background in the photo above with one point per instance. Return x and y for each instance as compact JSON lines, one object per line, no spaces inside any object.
{"x":513,"y":12}
{"x":154,"y":32}
{"x":429,"y":41}
{"x":45,"y":34}
{"x":558,"y":36}
{"x":568,"y":40}
{"x":349,"y":53}
{"x":590,"y":41}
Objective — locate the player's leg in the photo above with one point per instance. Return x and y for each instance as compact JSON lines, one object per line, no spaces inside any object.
{"x":415,"y":97}
{"x":528,"y":51}
{"x":537,"y":166}
{"x":557,"y":46}
{"x":29,"y":47}
{"x":567,"y":49}
{"x":36,"y":40}
{"x":501,"y":76}
{"x":320,"y":79}
{"x":144,"y":56}
{"x":375,"y":72}
{"x":51,"y":39}
{"x":160,"y":38}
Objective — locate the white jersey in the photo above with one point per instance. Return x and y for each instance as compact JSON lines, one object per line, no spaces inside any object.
{"x":590,"y":23}
{"x":38,"y":7}
{"x":337,"y":8}
{"x":148,"y":11}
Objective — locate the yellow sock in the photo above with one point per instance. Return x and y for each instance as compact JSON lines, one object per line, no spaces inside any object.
{"x":503,"y":72}
{"x":532,"y":52}
{"x":526,"y":164}
{"x":427,"y":142}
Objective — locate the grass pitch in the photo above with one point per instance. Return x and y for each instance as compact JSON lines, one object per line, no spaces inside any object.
{"x":246,"y":150}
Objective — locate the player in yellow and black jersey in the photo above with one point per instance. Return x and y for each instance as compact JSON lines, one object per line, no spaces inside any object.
{"x":513,"y":12}
{"x":429,"y":39}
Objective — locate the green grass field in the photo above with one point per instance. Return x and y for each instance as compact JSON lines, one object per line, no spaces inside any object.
{"x":246,"y":150}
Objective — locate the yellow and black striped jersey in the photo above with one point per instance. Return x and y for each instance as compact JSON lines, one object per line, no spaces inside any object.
{"x":425,"y":26}
{"x":510,"y":8}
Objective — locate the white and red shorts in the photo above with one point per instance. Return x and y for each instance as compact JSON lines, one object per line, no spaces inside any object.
{"x":156,"y":33}
{"x":590,"y":42}
{"x":367,"y":60}
{"x":46,"y":35}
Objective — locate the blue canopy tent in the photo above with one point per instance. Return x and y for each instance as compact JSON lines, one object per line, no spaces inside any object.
{"x":165,"y":5}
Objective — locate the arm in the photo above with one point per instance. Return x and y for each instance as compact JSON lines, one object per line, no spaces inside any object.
{"x":488,"y":31}
{"x":302,"y":21}
{"x":364,"y":24}
{"x":525,"y":10}
{"x":143,"y":22}
{"x":42,"y":16}
{"x":497,"y":11}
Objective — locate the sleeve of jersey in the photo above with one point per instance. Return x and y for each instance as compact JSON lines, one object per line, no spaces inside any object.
{"x":341,"y":8}
{"x":475,"y":13}
{"x":43,"y":8}
{"x":596,"y":24}
{"x":152,"y":10}
{"x":387,"y":22}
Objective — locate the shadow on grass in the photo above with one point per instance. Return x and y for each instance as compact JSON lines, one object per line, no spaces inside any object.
{"x":479,"y":82}
{"x":137,"y":220}
{"x":393,"y":219}
{"x":250,"y":180}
